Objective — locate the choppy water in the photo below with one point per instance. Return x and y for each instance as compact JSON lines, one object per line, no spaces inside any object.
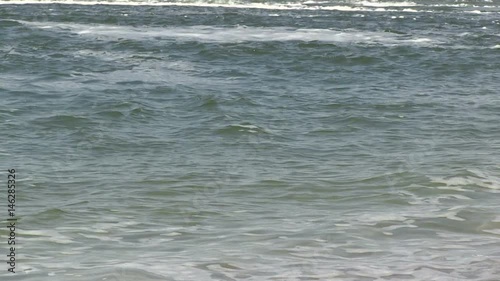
{"x":332,"y":140}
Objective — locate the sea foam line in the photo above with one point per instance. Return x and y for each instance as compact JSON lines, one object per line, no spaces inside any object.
{"x":308,"y":5}
{"x":364,"y":6}
{"x":234,"y":34}
{"x":263,"y":6}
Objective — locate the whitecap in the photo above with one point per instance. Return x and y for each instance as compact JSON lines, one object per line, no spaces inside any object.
{"x":398,"y":226}
{"x":493,"y":231}
{"x":362,"y":251}
{"x":309,"y":5}
{"x":466,"y":183}
{"x":386,"y":4}
{"x":238,"y":34}
{"x":102,"y":238}
{"x":46,"y":235}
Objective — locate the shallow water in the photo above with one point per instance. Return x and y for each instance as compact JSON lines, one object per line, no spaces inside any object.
{"x":336,"y":140}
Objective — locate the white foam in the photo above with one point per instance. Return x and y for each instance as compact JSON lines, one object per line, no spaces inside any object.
{"x":234,"y":34}
{"x":228,"y":4}
{"x":493,"y":231}
{"x":466,"y":183}
{"x":173,"y":234}
{"x":246,"y":126}
{"x":377,"y":218}
{"x":452,"y":216}
{"x":308,"y":5}
{"x":46,"y":235}
{"x":365,"y":6}
{"x":102,"y":238}
{"x":362,"y":251}
{"x":398,"y":226}
{"x":386,"y":4}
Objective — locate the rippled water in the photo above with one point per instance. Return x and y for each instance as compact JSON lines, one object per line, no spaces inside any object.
{"x":318,"y":140}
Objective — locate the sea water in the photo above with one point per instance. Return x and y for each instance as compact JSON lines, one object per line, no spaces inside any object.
{"x":251,"y":140}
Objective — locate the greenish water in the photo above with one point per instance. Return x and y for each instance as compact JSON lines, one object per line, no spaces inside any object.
{"x":338,"y":140}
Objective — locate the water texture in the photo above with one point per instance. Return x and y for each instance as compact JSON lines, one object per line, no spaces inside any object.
{"x":252,"y":140}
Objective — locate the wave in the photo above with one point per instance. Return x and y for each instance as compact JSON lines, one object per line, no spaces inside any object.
{"x":352,"y":5}
{"x":470,"y":179}
{"x":236,"y":34}
{"x":245,"y":128}
{"x":211,"y":4}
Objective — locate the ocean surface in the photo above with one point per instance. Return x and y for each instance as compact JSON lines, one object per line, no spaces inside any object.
{"x":251,"y":140}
